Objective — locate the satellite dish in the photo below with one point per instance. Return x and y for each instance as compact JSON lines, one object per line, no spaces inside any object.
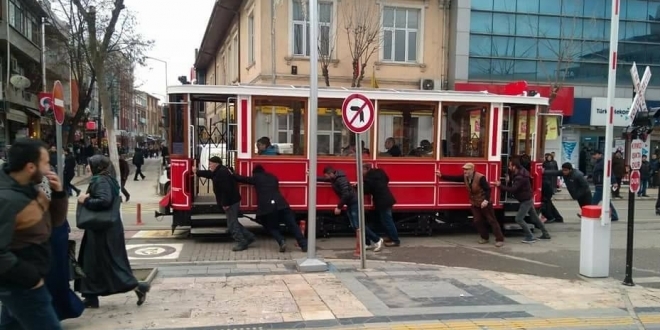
{"x":20,"y":81}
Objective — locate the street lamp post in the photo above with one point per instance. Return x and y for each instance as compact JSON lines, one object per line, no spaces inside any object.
{"x":164,"y":62}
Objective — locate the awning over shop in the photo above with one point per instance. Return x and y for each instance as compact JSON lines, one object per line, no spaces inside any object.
{"x":17,"y":116}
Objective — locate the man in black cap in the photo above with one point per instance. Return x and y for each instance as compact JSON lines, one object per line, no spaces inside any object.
{"x":225,"y":188}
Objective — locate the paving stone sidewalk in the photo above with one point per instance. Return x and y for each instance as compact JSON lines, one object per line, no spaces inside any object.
{"x":264,"y":295}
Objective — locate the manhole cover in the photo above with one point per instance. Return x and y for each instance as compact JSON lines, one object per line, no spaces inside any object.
{"x":150,"y":251}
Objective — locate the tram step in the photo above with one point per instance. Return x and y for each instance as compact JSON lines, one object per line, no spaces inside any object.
{"x":208,"y":231}
{"x":210,"y":216}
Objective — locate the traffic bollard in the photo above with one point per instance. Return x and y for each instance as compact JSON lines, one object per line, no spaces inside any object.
{"x":594,"y":243}
{"x":138,"y":219}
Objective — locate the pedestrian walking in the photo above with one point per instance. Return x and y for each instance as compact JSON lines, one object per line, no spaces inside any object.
{"x":138,"y":161}
{"x":376,"y":183}
{"x":70,"y":173}
{"x":349,"y":199}
{"x":66,"y":303}
{"x":618,"y":171}
{"x":102,"y":255}
{"x":480,"y":202}
{"x":521,"y":189}
{"x":124,"y":172}
{"x":548,"y":209}
{"x":644,"y":176}
{"x":225,"y":188}
{"x":26,"y":219}
{"x":272,"y":208}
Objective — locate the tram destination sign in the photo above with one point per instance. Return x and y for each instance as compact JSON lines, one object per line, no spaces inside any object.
{"x":639,"y":101}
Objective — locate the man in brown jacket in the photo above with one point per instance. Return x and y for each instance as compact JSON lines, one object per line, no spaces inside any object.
{"x":480,"y":204}
{"x":26,"y":219}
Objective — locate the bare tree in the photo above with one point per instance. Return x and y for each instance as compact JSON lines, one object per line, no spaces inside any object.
{"x":362,"y":23}
{"x":115,"y":32}
{"x":326,"y":37}
{"x":108,"y":30}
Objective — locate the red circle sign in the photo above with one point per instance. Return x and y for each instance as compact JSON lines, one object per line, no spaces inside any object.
{"x":635,"y":181}
{"x":358,"y":113}
{"x":58,"y":102}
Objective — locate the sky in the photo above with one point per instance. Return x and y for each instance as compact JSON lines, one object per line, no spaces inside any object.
{"x":177,"y":28}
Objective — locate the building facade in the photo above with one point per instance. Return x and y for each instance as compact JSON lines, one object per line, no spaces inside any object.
{"x":562,"y":43}
{"x":153,"y":116}
{"x":20,"y":71}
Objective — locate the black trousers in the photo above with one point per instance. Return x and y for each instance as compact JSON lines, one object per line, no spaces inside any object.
{"x":138,"y":171}
{"x":585,"y":199}
{"x":271,"y":222}
{"x":617,"y":192}
{"x":123,"y":187}
{"x":549,"y":211}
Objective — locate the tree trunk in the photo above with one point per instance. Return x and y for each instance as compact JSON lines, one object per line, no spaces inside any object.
{"x":326,"y":74}
{"x":356,"y":72}
{"x":361,"y":76}
{"x":108,"y":118}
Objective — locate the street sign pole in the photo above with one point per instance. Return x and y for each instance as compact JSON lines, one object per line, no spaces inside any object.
{"x":59,"y":114}
{"x":636,"y":146}
{"x":360,"y":192}
{"x":357,"y":113}
{"x":311,"y":263}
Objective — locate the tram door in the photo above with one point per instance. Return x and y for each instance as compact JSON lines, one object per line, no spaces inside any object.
{"x":518,"y":139}
{"x":215,"y":136}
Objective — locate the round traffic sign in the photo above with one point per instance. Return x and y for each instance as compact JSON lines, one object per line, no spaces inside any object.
{"x":635,"y":181}
{"x":58,"y":102}
{"x":358,"y":113}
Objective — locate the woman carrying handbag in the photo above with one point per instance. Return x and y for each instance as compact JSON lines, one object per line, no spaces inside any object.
{"x":102,"y":253}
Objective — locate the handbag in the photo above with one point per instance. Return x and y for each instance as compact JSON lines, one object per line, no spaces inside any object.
{"x":87,"y":219}
{"x":75,"y":271}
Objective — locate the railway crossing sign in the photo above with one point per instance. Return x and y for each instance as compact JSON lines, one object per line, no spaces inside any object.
{"x":635,"y":181}
{"x":358,"y":113}
{"x":639,"y":102}
{"x":58,"y":102}
{"x":636,"y":154}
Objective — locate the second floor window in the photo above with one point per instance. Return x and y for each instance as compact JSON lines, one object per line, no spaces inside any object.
{"x":300,"y":31}
{"x":400,"y":34}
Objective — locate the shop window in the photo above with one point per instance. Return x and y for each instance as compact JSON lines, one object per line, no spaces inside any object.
{"x":406,"y":130}
{"x":464,"y":131}
{"x":283,"y":122}
{"x":333,"y":138}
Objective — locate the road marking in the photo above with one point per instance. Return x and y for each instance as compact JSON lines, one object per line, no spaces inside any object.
{"x":503,"y":255}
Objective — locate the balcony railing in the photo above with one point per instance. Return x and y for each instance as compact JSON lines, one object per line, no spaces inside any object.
{"x":21,"y":97}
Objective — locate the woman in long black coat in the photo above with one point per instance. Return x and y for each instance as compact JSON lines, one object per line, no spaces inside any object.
{"x":102,"y":254}
{"x":66,"y":302}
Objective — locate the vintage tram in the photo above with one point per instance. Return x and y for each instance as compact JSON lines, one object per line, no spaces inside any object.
{"x":415,"y":134}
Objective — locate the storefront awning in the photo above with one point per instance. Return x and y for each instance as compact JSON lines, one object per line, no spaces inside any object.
{"x":17,"y":116}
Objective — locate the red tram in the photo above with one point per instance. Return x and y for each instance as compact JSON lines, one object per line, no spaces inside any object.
{"x":433,"y":130}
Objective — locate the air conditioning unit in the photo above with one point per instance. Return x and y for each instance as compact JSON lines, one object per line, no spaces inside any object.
{"x":430,"y":84}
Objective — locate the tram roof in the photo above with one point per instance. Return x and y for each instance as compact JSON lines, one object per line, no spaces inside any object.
{"x":215,"y":92}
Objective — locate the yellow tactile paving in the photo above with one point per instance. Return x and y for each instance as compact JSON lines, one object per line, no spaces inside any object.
{"x":513,"y":324}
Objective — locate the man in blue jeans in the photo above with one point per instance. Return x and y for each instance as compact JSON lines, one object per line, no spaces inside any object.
{"x":598,"y":174}
{"x":376,"y":183}
{"x":26,"y":219}
{"x":348,"y":198}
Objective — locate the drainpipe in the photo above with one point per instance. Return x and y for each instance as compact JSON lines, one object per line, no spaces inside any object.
{"x":445,"y":43}
{"x":272,"y":42}
{"x":6,"y":96}
{"x":238,"y":36}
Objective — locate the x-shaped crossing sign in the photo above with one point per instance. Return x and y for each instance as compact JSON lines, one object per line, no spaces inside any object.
{"x":639,"y":102}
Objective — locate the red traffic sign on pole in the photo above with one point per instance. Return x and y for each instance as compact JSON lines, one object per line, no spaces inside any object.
{"x":358,"y":113}
{"x":58,"y":102}
{"x":635,"y":181}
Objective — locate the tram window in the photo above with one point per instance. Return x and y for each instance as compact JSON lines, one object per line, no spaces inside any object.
{"x":333,"y":138}
{"x":464,"y":131}
{"x":406,"y":130}
{"x":283,"y":122}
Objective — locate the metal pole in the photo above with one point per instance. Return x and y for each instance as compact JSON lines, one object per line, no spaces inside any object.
{"x":43,"y":54}
{"x":630,"y":238}
{"x":273,"y":61}
{"x":58,"y":127}
{"x":311,"y":263}
{"x":360,"y":187}
{"x":609,"y":133}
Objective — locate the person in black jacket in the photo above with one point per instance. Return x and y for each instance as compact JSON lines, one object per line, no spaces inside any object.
{"x":575,"y":182}
{"x":548,"y":208}
{"x":69,"y":172}
{"x":225,"y":188}
{"x":348,"y":198}
{"x":644,"y":176}
{"x":521,"y":188}
{"x":272,"y":208}
{"x":138,"y":161}
{"x":598,"y":176}
{"x":124,"y":171}
{"x":376,"y":183}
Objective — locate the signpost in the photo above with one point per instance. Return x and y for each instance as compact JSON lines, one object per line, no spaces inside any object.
{"x":58,"y":111}
{"x":636,"y":146}
{"x":358,"y":114}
